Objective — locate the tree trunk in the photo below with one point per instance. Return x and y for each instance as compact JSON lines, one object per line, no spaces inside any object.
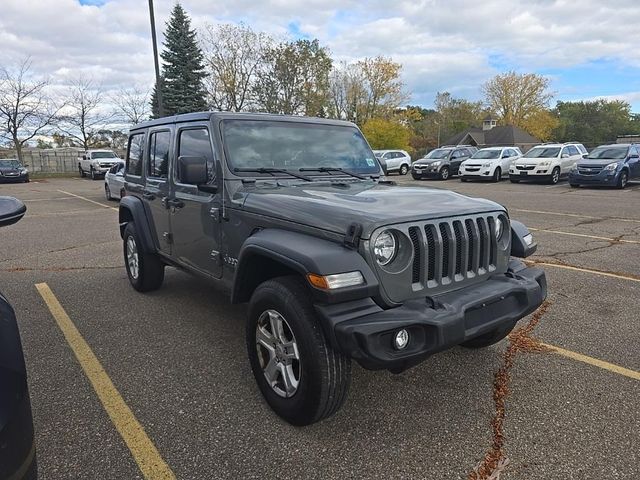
{"x":18,"y":146}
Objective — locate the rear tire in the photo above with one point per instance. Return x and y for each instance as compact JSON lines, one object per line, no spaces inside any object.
{"x":489,"y":338}
{"x":497,"y":175}
{"x":82,"y":174}
{"x":416,"y":177}
{"x":444,"y":173}
{"x":319,"y":379}
{"x":145,"y":270}
{"x":463,"y":179}
{"x":404,"y":169}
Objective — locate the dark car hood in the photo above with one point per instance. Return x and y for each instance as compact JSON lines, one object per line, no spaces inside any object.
{"x":429,"y":161}
{"x":334,"y":207}
{"x":597,"y":162}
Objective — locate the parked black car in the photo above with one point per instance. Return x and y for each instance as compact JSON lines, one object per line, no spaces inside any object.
{"x":612,"y":165}
{"x":442,"y":162}
{"x":11,"y":170}
{"x":17,"y":447}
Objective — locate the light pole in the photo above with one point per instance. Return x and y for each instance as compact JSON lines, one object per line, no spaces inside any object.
{"x":155,"y":60}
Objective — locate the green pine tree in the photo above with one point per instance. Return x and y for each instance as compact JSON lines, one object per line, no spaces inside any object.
{"x":183,"y":69}
{"x":155,"y":109}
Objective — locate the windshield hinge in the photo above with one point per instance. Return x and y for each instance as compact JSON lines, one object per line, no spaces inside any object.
{"x":352,"y":237}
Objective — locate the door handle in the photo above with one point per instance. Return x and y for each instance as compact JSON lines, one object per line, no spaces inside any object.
{"x":174,"y":203}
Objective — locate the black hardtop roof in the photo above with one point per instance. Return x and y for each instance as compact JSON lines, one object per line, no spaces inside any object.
{"x":205,"y":116}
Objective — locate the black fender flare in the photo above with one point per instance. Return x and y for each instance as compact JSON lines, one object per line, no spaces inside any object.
{"x":519,"y":247}
{"x":132,"y":208}
{"x":302,"y":254}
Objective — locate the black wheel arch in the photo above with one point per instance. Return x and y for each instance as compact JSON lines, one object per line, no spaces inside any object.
{"x":272,"y":253}
{"x":133,"y":209}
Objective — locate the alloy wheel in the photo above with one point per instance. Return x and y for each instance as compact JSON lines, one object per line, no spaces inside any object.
{"x":278,"y":353}
{"x":132,"y":257}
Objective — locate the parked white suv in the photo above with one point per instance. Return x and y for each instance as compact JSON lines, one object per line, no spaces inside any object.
{"x":550,"y":162}
{"x":97,"y":163}
{"x":489,"y":163}
{"x":396,"y":160}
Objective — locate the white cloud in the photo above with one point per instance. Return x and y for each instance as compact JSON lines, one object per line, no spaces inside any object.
{"x":443,"y":44}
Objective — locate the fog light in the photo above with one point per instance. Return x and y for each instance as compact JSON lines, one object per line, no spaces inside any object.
{"x":401,"y":340}
{"x":528,"y":240}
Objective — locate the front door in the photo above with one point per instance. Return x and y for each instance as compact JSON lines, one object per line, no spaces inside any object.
{"x":195,"y":214}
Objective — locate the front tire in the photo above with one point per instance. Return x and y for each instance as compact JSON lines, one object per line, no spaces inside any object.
{"x":555,"y":176}
{"x":145,"y":270}
{"x":444,"y":173}
{"x":623,"y":179}
{"x":107,"y":192}
{"x":404,"y":169}
{"x":489,"y":338}
{"x":416,"y":177}
{"x":81,"y":171}
{"x":93,"y":174}
{"x":514,"y":180}
{"x":302,"y":378}
{"x":497,"y":175}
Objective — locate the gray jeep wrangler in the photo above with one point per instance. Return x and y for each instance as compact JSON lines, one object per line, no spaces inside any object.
{"x":294,"y":216}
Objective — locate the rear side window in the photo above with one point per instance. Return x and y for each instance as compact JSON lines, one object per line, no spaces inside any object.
{"x":158,"y":165}
{"x":573,"y":150}
{"x":196,"y":143}
{"x":134,"y":154}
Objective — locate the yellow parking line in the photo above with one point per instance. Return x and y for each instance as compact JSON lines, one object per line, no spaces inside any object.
{"x":595,"y":362}
{"x":585,"y":270}
{"x":88,"y":200}
{"x":595,"y":237}
{"x":142,"y":448}
{"x":561,"y":214}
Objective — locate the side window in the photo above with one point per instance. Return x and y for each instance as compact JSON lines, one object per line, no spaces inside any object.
{"x":387,"y":155}
{"x":120,"y":168}
{"x":573,"y":150}
{"x":134,"y":154}
{"x":158,"y":164}
{"x":196,"y":143}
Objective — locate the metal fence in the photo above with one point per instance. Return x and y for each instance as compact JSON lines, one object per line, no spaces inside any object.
{"x":50,"y":160}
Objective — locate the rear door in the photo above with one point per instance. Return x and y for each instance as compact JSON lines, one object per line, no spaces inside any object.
{"x":156,"y":190}
{"x":634,"y":163}
{"x":195,"y":214}
{"x":574,"y":157}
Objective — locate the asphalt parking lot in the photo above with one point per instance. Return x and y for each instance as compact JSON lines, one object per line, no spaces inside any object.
{"x":177,"y":358}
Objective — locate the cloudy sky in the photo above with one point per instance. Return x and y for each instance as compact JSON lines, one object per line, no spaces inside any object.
{"x":588,"y":48}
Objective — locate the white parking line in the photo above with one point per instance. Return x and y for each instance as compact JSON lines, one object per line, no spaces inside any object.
{"x":619,"y":276}
{"x":595,"y":237}
{"x":88,"y":200}
{"x":575,"y":215}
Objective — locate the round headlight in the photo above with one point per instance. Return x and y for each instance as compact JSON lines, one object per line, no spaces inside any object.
{"x":499,"y":228}
{"x":384,"y":247}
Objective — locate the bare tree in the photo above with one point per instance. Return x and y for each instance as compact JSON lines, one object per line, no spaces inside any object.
{"x":132,"y":105}
{"x":25,"y":109}
{"x":85,"y":114}
{"x":232,"y":55}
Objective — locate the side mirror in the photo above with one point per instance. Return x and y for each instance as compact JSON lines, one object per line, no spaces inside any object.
{"x":564,"y":155}
{"x":522,"y":244}
{"x":634,"y":155}
{"x":11,"y":210}
{"x":585,"y":155}
{"x":192,"y":170}
{"x":119,"y":173}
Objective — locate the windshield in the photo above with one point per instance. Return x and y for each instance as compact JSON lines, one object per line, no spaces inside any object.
{"x":610,"y":153}
{"x":543,"y":152}
{"x":486,"y":154}
{"x":9,"y":164}
{"x":437,"y":153}
{"x":103,"y":155}
{"x":293,"y":145}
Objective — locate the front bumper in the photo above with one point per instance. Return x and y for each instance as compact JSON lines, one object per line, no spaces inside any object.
{"x":364,"y":331}
{"x":476,"y":173}
{"x":14,"y":178}
{"x":427,"y":172}
{"x":604,"y":177}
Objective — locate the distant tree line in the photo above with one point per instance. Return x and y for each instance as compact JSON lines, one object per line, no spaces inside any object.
{"x":231,"y":67}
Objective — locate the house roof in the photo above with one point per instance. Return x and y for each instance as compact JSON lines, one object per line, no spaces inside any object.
{"x":504,"y":135}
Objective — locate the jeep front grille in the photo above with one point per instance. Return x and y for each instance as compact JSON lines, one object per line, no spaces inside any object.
{"x":453,"y":250}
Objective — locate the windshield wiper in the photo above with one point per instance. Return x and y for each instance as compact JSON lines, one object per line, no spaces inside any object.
{"x":332,"y":169}
{"x":273,"y":171}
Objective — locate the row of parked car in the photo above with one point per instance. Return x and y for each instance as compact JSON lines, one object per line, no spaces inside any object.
{"x":612,"y":165}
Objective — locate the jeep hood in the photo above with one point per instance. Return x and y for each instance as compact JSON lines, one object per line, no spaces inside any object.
{"x":334,"y":207}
